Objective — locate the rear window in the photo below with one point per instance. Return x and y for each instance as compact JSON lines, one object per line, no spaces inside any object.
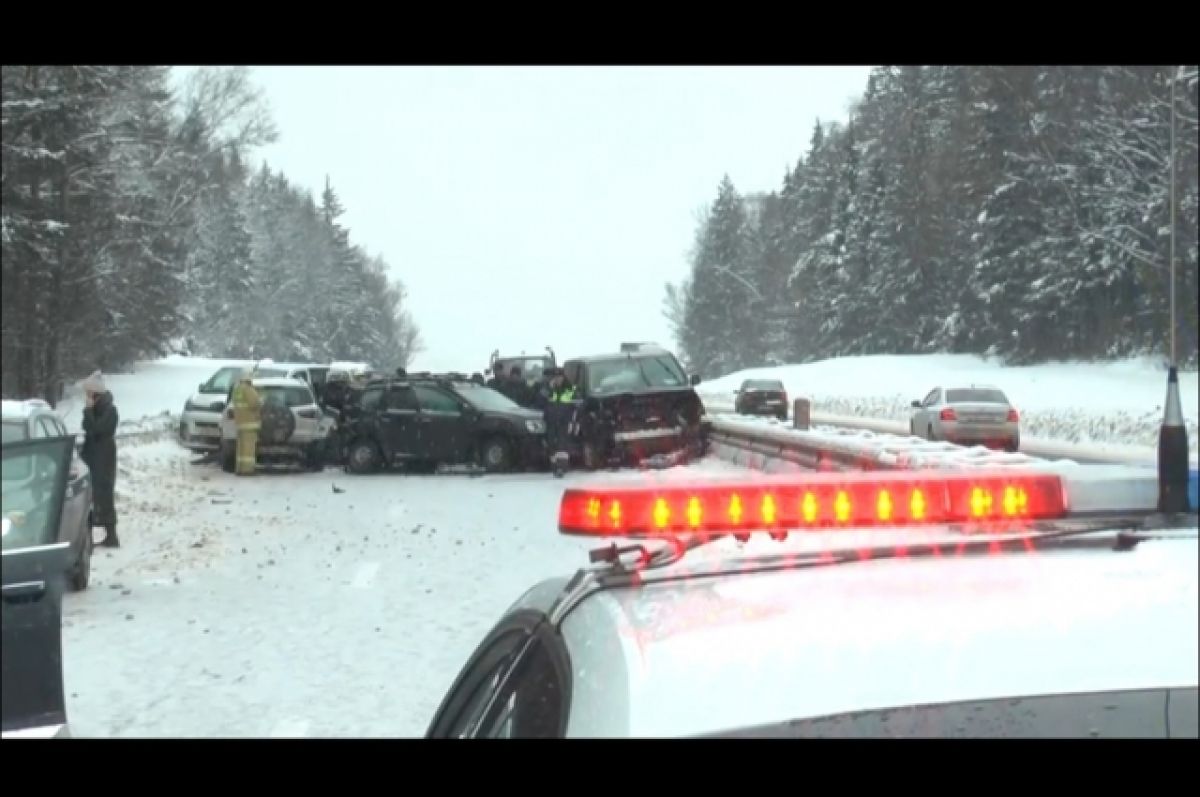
{"x":288,"y":396}
{"x":980,"y":395}
{"x":763,"y":384}
{"x":14,"y":431}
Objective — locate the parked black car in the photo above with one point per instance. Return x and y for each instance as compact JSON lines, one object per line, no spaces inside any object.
{"x":762,"y":397}
{"x":633,"y":406}
{"x":426,"y":420}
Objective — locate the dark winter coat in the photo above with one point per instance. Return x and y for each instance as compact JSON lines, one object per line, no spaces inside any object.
{"x":100,"y":454}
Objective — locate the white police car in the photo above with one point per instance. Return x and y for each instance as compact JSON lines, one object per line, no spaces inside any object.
{"x":1031,"y":604}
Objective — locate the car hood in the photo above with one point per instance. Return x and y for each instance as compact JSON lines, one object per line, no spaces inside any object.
{"x":518,"y":415}
{"x":208,"y":400}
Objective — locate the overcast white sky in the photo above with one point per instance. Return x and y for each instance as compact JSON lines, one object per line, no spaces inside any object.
{"x":532,"y":206}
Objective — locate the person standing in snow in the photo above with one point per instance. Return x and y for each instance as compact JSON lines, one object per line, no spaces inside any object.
{"x":247,"y":415}
{"x":100,"y":454}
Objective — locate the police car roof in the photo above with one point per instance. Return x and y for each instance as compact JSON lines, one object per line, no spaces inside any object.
{"x":775,"y":646}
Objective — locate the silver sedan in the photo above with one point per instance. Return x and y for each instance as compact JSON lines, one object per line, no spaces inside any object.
{"x":967,"y":415}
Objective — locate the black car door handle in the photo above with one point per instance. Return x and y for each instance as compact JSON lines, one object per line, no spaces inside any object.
{"x":24,"y":592}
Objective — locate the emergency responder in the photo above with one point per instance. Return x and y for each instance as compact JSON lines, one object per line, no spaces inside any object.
{"x":247,"y":414}
{"x":100,"y":455}
{"x":556,"y":399}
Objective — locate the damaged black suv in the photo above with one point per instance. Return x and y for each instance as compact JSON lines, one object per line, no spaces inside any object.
{"x":423,"y":421}
{"x":635,"y":406}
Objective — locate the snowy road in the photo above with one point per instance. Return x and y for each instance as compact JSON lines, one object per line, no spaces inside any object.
{"x":276,"y":606}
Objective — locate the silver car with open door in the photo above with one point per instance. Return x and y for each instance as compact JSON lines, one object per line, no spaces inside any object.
{"x":35,"y":478}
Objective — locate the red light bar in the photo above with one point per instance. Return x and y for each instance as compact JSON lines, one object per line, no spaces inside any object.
{"x":817,"y":501}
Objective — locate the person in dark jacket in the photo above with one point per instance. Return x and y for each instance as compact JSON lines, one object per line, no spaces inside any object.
{"x":556,"y":400}
{"x":100,"y":454}
{"x":515,"y":388}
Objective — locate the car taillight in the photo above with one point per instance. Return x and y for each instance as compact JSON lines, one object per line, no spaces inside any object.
{"x":1013,"y":417}
{"x":816,"y":501}
{"x":948,"y":415}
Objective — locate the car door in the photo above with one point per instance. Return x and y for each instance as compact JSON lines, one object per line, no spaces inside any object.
{"x":398,"y":426}
{"x":442,"y":425}
{"x":34,"y":479}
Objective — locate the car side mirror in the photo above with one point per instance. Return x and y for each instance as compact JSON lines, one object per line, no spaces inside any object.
{"x":200,"y":389}
{"x":917,"y":404}
{"x":695,"y":380}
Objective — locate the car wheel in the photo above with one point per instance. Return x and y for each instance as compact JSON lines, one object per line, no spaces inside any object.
{"x":930,"y":437}
{"x":495,"y":454}
{"x":363,"y":457}
{"x":228,"y":457}
{"x":1013,"y":445}
{"x":81,"y":574}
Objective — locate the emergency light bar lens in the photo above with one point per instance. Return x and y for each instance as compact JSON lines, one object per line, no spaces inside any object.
{"x":818,"y":500}
{"x":884,"y":505}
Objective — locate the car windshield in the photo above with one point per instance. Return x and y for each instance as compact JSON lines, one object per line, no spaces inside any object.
{"x":289,"y":396}
{"x":975,"y":395}
{"x":485,"y":398}
{"x":634,"y":373}
{"x":222,"y":381}
{"x":763,"y":384}
{"x":14,"y":431}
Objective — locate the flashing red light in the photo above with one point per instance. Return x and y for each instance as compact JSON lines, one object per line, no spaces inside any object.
{"x":817,"y":500}
{"x":948,"y":414}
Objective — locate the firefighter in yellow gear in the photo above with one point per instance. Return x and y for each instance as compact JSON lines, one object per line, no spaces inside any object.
{"x":247,"y":415}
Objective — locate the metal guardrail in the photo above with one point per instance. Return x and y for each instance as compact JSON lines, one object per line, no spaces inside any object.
{"x":1037,"y":448}
{"x":773,"y":446}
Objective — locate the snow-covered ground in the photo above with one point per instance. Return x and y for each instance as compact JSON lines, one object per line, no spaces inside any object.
{"x":1119,"y":402}
{"x":279,"y":606}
